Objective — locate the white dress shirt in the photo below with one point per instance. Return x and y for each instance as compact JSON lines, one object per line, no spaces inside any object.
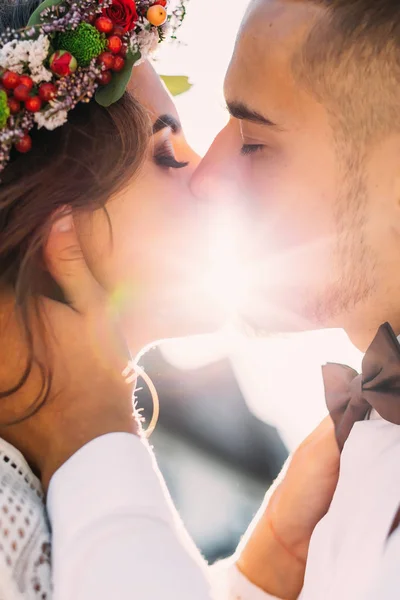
{"x":115,"y":533}
{"x":350,"y":553}
{"x":111,"y":514}
{"x":127,"y":530}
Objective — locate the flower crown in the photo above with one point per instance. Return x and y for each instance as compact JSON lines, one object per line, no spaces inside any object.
{"x":72,"y":51}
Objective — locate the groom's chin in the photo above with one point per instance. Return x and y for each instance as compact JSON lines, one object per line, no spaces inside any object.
{"x":274,"y":319}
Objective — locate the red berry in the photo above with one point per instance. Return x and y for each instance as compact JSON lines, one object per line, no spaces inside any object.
{"x":107,"y":59}
{"x":33,"y":104}
{"x":26,"y":80}
{"x":24,"y":144}
{"x":119,"y":63}
{"x":21,"y":92}
{"x":104,"y":78}
{"x":47,"y":91}
{"x":119,"y":31}
{"x":104,"y":25}
{"x":10,"y":80}
{"x":161,"y":2}
{"x":14,"y":106}
{"x":124,"y":50}
{"x":114,"y":44}
{"x":91,"y":19}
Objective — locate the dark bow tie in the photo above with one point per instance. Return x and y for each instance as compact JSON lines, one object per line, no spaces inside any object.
{"x":351,"y":397}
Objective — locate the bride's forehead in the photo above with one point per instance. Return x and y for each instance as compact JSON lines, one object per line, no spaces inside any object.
{"x":149,"y":90}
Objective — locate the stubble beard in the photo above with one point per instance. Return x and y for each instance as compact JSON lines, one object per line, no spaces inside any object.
{"x":352,"y":266}
{"x":353,"y":260}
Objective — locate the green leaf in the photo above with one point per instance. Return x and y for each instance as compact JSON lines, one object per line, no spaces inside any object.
{"x":107,"y":95}
{"x":176,"y":84}
{"x":35,"y":16}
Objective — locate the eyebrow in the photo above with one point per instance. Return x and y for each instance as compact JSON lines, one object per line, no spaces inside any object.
{"x":240,"y":111}
{"x":167,"y":121}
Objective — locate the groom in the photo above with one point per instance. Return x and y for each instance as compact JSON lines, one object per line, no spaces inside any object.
{"x":312,"y":150}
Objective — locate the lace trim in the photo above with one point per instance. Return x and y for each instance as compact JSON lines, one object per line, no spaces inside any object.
{"x":25,"y":551}
{"x":14,"y":459}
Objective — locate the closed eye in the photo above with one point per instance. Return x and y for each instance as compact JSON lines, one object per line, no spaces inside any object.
{"x":164,"y":157}
{"x":248,"y":149}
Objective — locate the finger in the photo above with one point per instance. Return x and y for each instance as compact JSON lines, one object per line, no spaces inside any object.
{"x":67,"y":264}
{"x":326,"y":425}
{"x":324,"y":431}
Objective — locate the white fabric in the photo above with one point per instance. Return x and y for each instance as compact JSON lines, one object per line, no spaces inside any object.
{"x":230,"y":584}
{"x":115,"y":532}
{"x":350,"y":554}
{"x":24,"y":532}
{"x":127,"y":530}
{"x":349,"y":551}
{"x":386,"y":584}
{"x":110,"y":514}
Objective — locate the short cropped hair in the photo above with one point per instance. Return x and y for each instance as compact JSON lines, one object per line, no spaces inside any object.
{"x":351,"y":61}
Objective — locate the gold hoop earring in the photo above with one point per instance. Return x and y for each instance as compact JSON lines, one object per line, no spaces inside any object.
{"x":131,"y":374}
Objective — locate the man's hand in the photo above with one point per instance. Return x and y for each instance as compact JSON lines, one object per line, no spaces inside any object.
{"x":274,"y":552}
{"x":82,"y":344}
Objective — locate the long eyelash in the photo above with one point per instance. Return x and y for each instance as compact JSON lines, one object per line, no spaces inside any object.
{"x":168,"y":161}
{"x":164,"y":157}
{"x":250,"y":149}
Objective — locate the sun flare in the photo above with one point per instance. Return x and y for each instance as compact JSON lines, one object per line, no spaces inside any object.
{"x":227,"y":280}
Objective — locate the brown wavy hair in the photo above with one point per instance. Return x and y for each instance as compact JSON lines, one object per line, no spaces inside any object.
{"x":81,"y":165}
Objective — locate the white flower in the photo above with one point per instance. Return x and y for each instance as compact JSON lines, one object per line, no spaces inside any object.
{"x":51,"y":118}
{"x":41,"y":74}
{"x":14,"y":55}
{"x":167,"y":29}
{"x":17,"y":55}
{"x":147,"y":42}
{"x":38,"y":52}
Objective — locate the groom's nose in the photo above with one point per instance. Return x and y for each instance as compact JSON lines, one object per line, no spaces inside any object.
{"x":217,"y":178}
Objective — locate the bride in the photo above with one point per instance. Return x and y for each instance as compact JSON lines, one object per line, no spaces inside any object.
{"x":102,"y":249}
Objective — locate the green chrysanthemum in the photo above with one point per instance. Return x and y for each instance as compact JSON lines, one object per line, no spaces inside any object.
{"x":4,"y":109}
{"x":84,"y":43}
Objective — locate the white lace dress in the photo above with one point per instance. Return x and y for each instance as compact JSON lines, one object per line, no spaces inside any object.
{"x":24,"y":531}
